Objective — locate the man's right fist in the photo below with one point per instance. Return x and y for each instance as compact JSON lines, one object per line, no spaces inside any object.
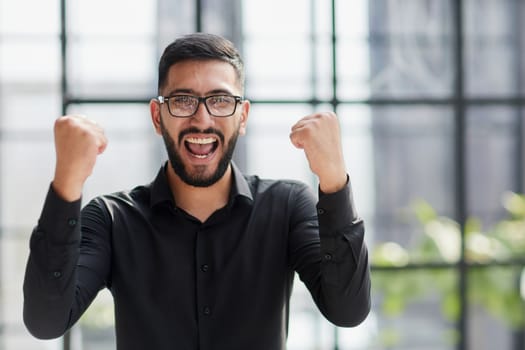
{"x":78,"y":142}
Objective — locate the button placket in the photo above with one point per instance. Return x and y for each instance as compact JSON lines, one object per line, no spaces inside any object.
{"x":203,"y":277}
{"x":206,"y":311}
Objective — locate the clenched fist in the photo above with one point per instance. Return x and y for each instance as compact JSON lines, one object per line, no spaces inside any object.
{"x":78,"y":142}
{"x":319,"y":136}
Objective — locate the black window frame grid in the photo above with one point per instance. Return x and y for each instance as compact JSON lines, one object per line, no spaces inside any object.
{"x":460,"y":102}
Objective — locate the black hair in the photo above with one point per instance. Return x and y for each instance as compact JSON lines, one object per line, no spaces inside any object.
{"x":200,"y":46}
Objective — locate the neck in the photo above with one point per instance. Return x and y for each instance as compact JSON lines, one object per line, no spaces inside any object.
{"x":200,"y":202}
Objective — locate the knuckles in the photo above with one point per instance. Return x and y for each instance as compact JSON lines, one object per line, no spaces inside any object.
{"x":78,"y":125}
{"x":66,"y":123}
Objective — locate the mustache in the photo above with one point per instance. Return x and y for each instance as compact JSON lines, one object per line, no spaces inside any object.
{"x":195,"y":130}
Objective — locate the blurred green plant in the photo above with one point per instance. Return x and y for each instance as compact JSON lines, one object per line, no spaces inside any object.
{"x":496,"y":289}
{"x":100,"y":314}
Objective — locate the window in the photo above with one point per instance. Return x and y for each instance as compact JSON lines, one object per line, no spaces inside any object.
{"x":430,"y":96}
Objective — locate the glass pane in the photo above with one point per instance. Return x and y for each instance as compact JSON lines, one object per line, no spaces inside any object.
{"x":493,"y":136}
{"x":31,"y":109}
{"x":323,"y":87}
{"x":353,"y":69}
{"x":411,"y":152}
{"x":493,"y":47}
{"x":112,"y":18}
{"x":133,"y":155}
{"x":308,"y":329}
{"x":358,"y":141}
{"x":353,"y":50}
{"x":32,"y":17}
{"x":31,"y":61}
{"x":270,"y":152}
{"x":495,"y":229}
{"x":14,"y":249}
{"x":223,"y":17}
{"x":97,"y":325}
{"x":278,"y":76}
{"x":495,"y":308}
{"x":272,"y":18}
{"x":405,"y":58}
{"x":26,"y":175}
{"x":278,"y":66}
{"x":172,"y":19}
{"x":113,"y":67}
{"x":28,"y":164}
{"x":414,"y":310}
{"x":115,"y":55}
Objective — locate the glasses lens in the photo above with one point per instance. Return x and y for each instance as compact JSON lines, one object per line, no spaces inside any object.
{"x":221,"y":105}
{"x":182,"y":105}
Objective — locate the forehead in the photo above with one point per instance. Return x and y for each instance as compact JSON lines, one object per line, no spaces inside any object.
{"x":202,"y":76}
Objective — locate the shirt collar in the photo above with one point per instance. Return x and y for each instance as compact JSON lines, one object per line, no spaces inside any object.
{"x":240,"y":185}
{"x":161,"y":192}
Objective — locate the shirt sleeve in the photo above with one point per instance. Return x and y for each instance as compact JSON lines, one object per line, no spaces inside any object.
{"x":330,"y":255}
{"x":57,"y":286}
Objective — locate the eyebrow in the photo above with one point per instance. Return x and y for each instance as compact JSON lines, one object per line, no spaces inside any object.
{"x":192,"y":92}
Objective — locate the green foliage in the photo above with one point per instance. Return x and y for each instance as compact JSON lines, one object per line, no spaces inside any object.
{"x":495,"y":289}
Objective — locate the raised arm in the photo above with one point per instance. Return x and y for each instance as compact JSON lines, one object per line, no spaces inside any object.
{"x":56,"y":291}
{"x":327,"y":241}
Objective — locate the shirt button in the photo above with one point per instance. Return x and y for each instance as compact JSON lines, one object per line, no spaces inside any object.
{"x":205,"y":268}
{"x":57,"y":274}
{"x":72,"y":222}
{"x":328,"y":257}
{"x":206,"y":311}
{"x":320,"y":211}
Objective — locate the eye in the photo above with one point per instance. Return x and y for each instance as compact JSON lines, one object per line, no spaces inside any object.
{"x":221,"y":100}
{"x":182,"y":100}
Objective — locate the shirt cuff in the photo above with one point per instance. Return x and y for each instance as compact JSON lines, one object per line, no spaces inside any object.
{"x":337,"y":210}
{"x":60,"y":219}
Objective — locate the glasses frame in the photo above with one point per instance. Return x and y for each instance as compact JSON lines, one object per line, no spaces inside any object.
{"x":204,"y":101}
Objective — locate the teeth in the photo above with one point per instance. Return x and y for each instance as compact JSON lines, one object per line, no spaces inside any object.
{"x":201,"y":141}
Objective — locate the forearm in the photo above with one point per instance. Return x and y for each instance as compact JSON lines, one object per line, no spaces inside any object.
{"x":344,"y":265}
{"x":332,"y":259}
{"x":344,"y":286}
{"x":50,"y":279}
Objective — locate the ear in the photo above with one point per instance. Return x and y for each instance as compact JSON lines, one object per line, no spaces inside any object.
{"x":154,"y":108}
{"x":244,"y":116}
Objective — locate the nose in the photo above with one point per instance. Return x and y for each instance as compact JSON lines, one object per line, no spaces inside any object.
{"x":202,"y":116}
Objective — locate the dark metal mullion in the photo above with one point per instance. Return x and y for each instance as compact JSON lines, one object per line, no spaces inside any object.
{"x":63,"y":57}
{"x":64,"y":92}
{"x":313,"y":55}
{"x":198,"y":15}
{"x":334,"y":103}
{"x":444,"y":265}
{"x":520,"y":110}
{"x":516,"y":101}
{"x":460,"y":173}
{"x":335,"y":100}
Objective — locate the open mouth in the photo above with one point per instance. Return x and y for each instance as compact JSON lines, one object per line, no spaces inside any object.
{"x":201,"y":147}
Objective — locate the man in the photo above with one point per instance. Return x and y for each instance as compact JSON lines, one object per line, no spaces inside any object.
{"x":204,"y":256}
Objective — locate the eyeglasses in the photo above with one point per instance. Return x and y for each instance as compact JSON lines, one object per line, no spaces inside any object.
{"x":185,"y":106}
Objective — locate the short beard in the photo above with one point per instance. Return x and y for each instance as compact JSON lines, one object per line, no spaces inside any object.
{"x":199,"y":179}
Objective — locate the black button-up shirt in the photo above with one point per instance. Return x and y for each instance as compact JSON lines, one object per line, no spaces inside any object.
{"x":179,"y":283}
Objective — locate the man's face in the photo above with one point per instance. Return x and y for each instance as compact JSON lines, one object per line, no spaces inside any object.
{"x":200,"y":147}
